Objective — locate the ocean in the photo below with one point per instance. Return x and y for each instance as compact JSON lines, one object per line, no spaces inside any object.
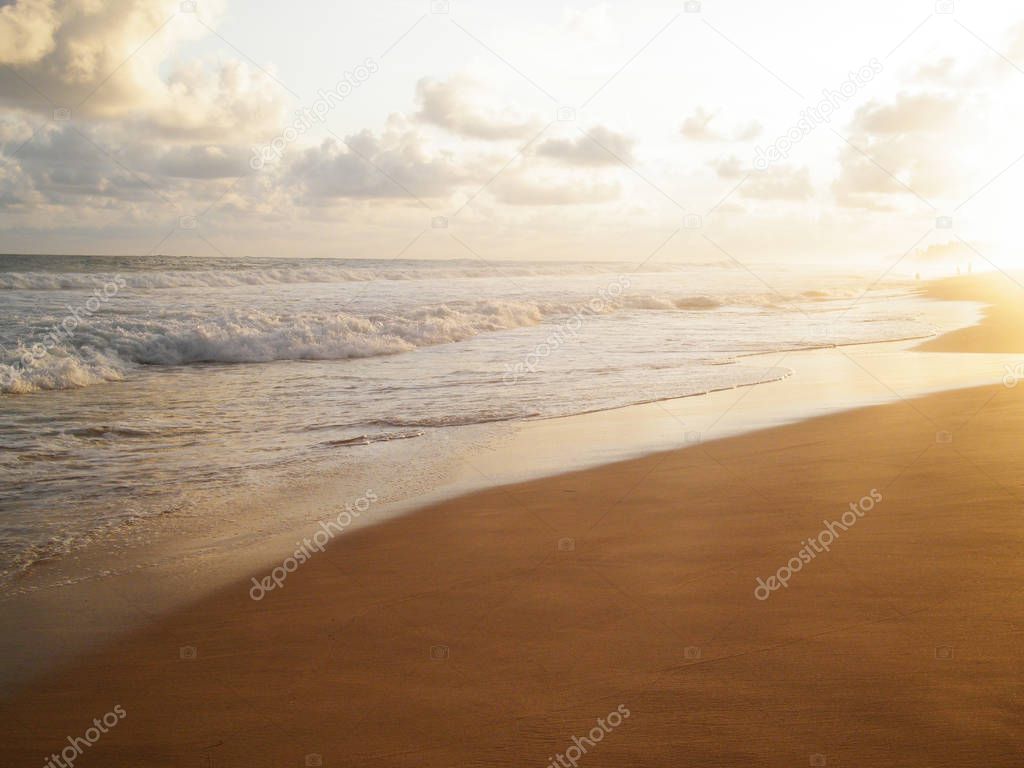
{"x":133,"y":388}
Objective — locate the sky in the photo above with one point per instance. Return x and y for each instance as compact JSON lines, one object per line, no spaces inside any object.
{"x":797,"y":132}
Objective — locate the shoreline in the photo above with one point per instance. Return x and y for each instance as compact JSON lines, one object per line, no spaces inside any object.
{"x":147,"y":580}
{"x":1003,"y":314}
{"x":491,"y":627}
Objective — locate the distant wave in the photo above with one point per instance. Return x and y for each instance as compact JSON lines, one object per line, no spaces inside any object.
{"x":342,"y":273}
{"x":663,"y":302}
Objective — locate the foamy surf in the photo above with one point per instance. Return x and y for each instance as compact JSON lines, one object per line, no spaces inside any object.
{"x":140,"y":385}
{"x":112,"y":345}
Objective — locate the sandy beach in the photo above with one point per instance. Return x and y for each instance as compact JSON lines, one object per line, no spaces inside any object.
{"x":505,"y":627}
{"x":1004,"y":317}
{"x":550,"y":385}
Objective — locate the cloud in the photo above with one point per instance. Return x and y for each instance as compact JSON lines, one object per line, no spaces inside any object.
{"x":448,"y":105}
{"x":600,"y":146}
{"x":862,"y":184}
{"x":146,"y":127}
{"x":728,"y":167}
{"x":748,"y":131}
{"x":960,"y":72}
{"x":780,"y":183}
{"x":13,"y":132}
{"x":395,"y":165}
{"x":910,"y":113}
{"x":908,"y":138}
{"x":63,"y":165}
{"x":105,"y":61}
{"x":938,"y":71}
{"x":204,"y":162}
{"x":697,"y":126}
{"x":513,"y":190}
{"x":231,"y":102}
{"x":16,"y":188}
{"x":91,"y":166}
{"x":26,"y":31}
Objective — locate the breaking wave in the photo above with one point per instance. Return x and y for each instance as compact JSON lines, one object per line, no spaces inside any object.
{"x":110,"y":348}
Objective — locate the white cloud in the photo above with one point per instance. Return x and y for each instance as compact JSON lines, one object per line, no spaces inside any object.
{"x":697,"y":127}
{"x":103,"y":61}
{"x":748,"y":131}
{"x":175,"y":109}
{"x":779,"y":183}
{"x":26,"y":31}
{"x":396,"y":165}
{"x":728,"y":167}
{"x":908,"y":138}
{"x":517,"y":190}
{"x":455,"y":105}
{"x":910,"y":113}
{"x":600,"y":146}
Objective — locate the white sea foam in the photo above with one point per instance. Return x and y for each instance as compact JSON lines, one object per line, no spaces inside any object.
{"x":112,"y":347}
{"x":65,"y":368}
